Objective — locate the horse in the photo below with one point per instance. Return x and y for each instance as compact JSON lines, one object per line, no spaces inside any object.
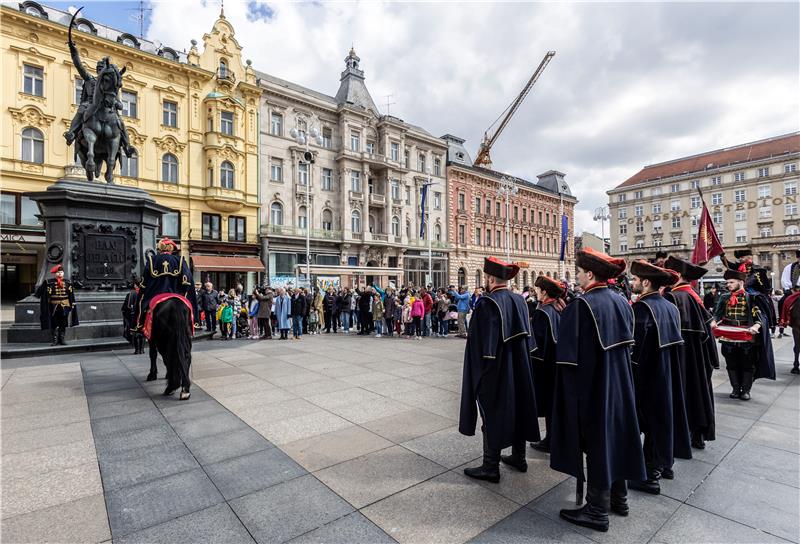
{"x":794,"y":323}
{"x":99,"y":139}
{"x":171,"y":337}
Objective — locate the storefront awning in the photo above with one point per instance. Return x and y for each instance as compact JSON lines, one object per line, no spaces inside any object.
{"x":227,"y":264}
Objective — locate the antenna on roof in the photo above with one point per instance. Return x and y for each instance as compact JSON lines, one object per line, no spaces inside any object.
{"x":388,"y":103}
{"x":139,"y":17}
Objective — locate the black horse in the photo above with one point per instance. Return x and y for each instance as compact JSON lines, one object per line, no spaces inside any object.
{"x":171,"y":337}
{"x":794,"y":323}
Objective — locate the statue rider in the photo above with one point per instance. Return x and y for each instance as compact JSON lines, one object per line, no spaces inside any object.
{"x":87,"y":95}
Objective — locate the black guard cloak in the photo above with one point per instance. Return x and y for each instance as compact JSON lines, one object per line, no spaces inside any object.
{"x":44,"y":292}
{"x":545,"y":320}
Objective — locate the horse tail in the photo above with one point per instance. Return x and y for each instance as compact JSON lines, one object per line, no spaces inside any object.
{"x":183,"y":342}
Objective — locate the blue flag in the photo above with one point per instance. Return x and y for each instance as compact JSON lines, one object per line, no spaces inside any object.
{"x":564,"y":232}
{"x":422,"y":205}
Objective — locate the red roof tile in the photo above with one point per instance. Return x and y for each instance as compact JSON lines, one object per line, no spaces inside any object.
{"x":771,"y":147}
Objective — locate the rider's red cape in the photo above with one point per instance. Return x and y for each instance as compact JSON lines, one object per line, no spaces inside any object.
{"x":155,"y":301}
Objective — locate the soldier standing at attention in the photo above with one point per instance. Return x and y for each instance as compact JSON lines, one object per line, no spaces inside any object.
{"x":57,"y":305}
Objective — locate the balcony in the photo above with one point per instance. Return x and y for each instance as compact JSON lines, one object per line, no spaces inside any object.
{"x":289,"y":230}
{"x":355,"y":195}
{"x":224,"y":200}
{"x":784,"y":241}
{"x":226,"y":77}
{"x":379,"y":237}
{"x":376,"y":199}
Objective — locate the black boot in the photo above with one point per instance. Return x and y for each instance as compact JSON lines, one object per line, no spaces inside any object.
{"x":593,"y":514}
{"x":490,"y":469}
{"x":668,"y":473}
{"x":650,"y":485}
{"x":517,"y":458}
{"x":795,"y":369}
{"x":747,"y":383}
{"x":55,"y":339}
{"x":735,"y":387}
{"x":543,"y":445}
{"x":619,"y":498}
{"x":61,"y":340}
{"x":698,"y":441}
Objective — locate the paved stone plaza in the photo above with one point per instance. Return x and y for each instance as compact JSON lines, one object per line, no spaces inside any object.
{"x":342,"y":439}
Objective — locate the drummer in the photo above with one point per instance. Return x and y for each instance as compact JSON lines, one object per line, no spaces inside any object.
{"x":747,"y":348}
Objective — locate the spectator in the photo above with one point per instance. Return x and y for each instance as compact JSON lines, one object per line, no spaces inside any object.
{"x":299,"y":306}
{"x":209,"y":301}
{"x":330,"y":306}
{"x":462,"y":300}
{"x":389,"y":303}
{"x":265,"y":303}
{"x":225,"y":316}
{"x":442,"y":308}
{"x":283,"y":313}
{"x":377,"y":314}
{"x":417,"y":314}
{"x":253,"y":305}
{"x":427,"y":303}
{"x":236,"y":305}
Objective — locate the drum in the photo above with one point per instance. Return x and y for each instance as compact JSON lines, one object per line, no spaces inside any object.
{"x":731,"y":332}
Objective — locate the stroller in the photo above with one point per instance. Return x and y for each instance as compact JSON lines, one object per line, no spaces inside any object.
{"x":242,"y":324}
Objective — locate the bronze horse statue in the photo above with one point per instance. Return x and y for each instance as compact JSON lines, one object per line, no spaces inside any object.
{"x":97,"y":128}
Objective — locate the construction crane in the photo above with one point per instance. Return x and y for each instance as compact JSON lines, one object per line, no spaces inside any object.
{"x":489,"y":138}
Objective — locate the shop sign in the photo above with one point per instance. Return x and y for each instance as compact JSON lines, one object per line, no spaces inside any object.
{"x":522,"y":264}
{"x":324,"y":282}
{"x":21,"y":238}
{"x":738,"y":206}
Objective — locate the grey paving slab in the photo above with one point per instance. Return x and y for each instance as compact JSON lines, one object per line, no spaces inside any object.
{"x":328,"y":449}
{"x":774,"y":436}
{"x":140,"y":438}
{"x":218,"y":447}
{"x":46,"y":437}
{"x":688,"y":475}
{"x":715,"y":450}
{"x":81,"y":520}
{"x":285,"y":511}
{"x":732,"y":426}
{"x":217,"y":524}
{"x":445,"y":509}
{"x":138,"y":507}
{"x":648,"y":514}
{"x":528,"y":527}
{"x":447,"y":447}
{"x":40,"y":406}
{"x":139,"y":465}
{"x":246,"y":474}
{"x":120,"y":425}
{"x":377,"y":475}
{"x":764,"y":462}
{"x":116,"y":396}
{"x":206,"y":426}
{"x":192,"y":410}
{"x":34,"y":462}
{"x":121,"y":408}
{"x":690,"y":524}
{"x":779,"y":415}
{"x":765,"y":505}
{"x":362,"y":412}
{"x":351,"y":529}
{"x":110,"y":384}
{"x":298,"y":428}
{"x":256,"y":401}
{"x":408,"y":425}
{"x":46,"y":419}
{"x":321,"y":387}
{"x":343,"y":397}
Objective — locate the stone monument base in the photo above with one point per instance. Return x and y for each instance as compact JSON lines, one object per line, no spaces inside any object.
{"x":100,"y":234}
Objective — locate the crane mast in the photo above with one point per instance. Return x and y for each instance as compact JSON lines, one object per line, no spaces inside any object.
{"x":483,"y":158}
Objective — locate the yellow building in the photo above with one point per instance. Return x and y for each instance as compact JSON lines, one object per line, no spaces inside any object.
{"x":193,"y":117}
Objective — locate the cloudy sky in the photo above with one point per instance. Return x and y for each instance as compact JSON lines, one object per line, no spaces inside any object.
{"x":631,"y":83}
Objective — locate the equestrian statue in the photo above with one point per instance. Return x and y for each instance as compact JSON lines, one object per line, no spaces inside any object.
{"x":97,"y":128}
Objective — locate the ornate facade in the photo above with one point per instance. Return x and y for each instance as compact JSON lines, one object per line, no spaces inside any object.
{"x":477,"y":225}
{"x":358,"y":195}
{"x":193,"y":117}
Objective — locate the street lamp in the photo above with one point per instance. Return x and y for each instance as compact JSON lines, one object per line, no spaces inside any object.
{"x":601,"y":214}
{"x":507,"y":188}
{"x":429,"y":184}
{"x":308,"y":159}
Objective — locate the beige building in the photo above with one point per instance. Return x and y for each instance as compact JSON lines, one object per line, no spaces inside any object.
{"x":752,"y":195}
{"x":358,"y":197}
{"x":477,"y":225}
{"x":193,"y":117}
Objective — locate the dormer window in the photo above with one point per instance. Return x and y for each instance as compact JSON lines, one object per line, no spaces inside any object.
{"x":34,"y":9}
{"x":223,"y":69}
{"x":129,"y":40}
{"x":168,"y":53}
{"x":84,"y":25}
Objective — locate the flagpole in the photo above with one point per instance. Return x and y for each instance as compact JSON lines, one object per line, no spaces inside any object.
{"x":561,"y":216}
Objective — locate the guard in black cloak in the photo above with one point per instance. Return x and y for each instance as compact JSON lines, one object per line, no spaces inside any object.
{"x":594,"y":405}
{"x":746,"y":342}
{"x":700,"y":356}
{"x":656,"y":359}
{"x":544,"y":324}
{"x":57,"y":305}
{"x":497,"y":375}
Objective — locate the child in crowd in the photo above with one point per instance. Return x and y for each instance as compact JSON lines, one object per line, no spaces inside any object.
{"x":377,"y":314}
{"x":225,"y":318}
{"x":313,"y":321}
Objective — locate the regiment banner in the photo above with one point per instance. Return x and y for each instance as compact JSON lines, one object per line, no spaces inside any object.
{"x":708,"y":245}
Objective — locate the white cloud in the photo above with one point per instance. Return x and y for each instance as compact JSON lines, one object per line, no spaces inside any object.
{"x":631,"y":84}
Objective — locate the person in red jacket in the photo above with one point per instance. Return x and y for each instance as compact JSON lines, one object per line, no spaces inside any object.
{"x":427,"y":302}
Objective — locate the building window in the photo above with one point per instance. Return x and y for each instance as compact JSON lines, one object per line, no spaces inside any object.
{"x":170,"y":225}
{"x":169,"y":168}
{"x":489,"y":237}
{"x":276,"y":170}
{"x":763,"y":172}
{"x":764,"y":191}
{"x":655,"y":191}
{"x":79,"y":90}
{"x":639,"y":244}
{"x":355,"y":181}
{"x":394,"y":151}
{"x":276,"y":214}
{"x":525,"y":242}
{"x":792,"y":230}
{"x":739,"y":176}
{"x":765,"y":212}
{"x":408,"y":195}
{"x":395,"y":188}
{"x":129,"y":166}
{"x":657,"y":207}
{"x":675,"y":187}
{"x":302,"y":218}
{"x":623,"y":247}
{"x":622,"y":198}
{"x":715,"y":180}
{"x":130,"y":105}
{"x":638,"y":195}
{"x":32,"y":145}
{"x":498,"y":239}
{"x":226,"y":122}
{"x":396,"y":226}
{"x":623,"y":228}
{"x":638,"y":211}
{"x":211,"y":227}
{"x":790,"y":209}
{"x":355,"y":221}
{"x":695,"y":202}
{"x":302,"y":173}
{"x":437,"y":201}
{"x":716,"y":199}
{"x":739,"y":195}
{"x":236,"y":228}
{"x":407,"y":159}
{"x":675,"y":205}
{"x":355,"y":141}
{"x":276,"y":124}
{"x":488,"y":207}
{"x":497,"y":208}
{"x":516,"y":241}
{"x":623,"y":213}
{"x":327,"y":179}
{"x":370,"y":147}
{"x":223,"y":69}
{"x":741,"y":215}
{"x":524,"y":215}
{"x":226,"y":175}
{"x":676,"y":240}
{"x":676,"y":222}
{"x":695,"y":183}
{"x":790,"y":188}
{"x":327,"y":138}
{"x":765,"y":232}
{"x":462,"y":234}
{"x":421,"y":162}
{"x":437,"y":167}
{"x":717,"y":217}
{"x":170,"y":114}
{"x":516,"y":213}
{"x":639,"y":227}
{"x":462,"y":202}
{"x":741,"y":235}
{"x":210,"y":176}
{"x":327,"y":220}
{"x":477,"y":236}
{"x":789,"y":168}
{"x":32,"y":80}
{"x":695,"y":220}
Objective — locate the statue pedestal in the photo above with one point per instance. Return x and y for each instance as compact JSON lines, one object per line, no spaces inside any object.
{"x":99,"y":233}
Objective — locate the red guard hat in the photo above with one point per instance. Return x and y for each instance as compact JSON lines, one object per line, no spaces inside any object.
{"x":57,"y":268}
{"x":551,"y":286}
{"x":658,"y":276}
{"x":604,"y":266}
{"x":166,"y":244}
{"x":499,"y":269}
